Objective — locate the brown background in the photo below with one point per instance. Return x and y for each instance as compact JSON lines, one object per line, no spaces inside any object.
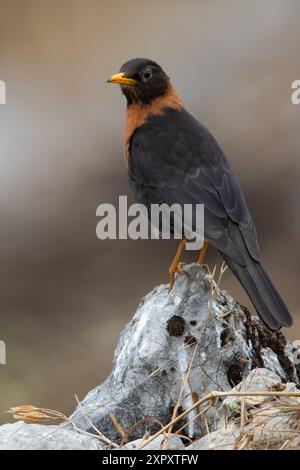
{"x":64,"y":295}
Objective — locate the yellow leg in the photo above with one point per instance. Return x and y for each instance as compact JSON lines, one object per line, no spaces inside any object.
{"x":202,"y":253}
{"x":174,"y":268}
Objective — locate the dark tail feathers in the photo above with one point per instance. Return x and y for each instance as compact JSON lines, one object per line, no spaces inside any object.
{"x":265,"y":298}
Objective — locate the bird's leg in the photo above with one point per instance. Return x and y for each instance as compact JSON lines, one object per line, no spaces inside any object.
{"x":203,"y":253}
{"x":175,"y":266}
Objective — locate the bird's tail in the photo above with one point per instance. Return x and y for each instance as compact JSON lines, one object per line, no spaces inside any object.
{"x":265,"y":298}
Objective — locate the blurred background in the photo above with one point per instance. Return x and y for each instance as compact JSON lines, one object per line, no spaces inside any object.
{"x":64,"y":295}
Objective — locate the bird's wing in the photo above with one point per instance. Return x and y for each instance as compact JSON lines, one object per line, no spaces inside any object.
{"x":176,"y":160}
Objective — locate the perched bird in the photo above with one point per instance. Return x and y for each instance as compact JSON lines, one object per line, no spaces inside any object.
{"x":172,"y":158}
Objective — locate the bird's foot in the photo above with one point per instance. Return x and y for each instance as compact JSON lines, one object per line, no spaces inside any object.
{"x":173,"y":270}
{"x":201,"y":259}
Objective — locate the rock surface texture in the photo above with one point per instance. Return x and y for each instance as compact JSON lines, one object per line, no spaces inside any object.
{"x":177,"y":348}
{"x":23,"y":436}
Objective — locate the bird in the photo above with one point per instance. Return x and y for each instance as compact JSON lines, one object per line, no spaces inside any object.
{"x":172,"y":158}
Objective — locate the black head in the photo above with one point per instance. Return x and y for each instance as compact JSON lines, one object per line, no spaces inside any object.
{"x":141,"y":80}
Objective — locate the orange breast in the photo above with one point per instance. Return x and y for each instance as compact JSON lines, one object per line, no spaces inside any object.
{"x":138,"y":113}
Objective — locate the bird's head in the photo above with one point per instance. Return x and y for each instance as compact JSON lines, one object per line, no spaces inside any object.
{"x":141,"y":81}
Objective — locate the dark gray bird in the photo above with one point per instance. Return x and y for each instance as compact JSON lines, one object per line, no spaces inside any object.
{"x":172,"y":158}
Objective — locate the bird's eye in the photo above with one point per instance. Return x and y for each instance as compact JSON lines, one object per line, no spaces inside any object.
{"x":146,"y":75}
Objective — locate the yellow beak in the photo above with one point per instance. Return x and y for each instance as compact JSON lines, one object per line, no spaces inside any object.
{"x":121,"y":79}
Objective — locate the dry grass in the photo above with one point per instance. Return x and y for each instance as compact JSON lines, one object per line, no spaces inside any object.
{"x":283,"y":406}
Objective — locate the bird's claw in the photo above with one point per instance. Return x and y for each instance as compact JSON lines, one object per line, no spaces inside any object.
{"x":173,"y":270}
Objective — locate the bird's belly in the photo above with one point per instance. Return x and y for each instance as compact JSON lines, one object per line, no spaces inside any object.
{"x":151,"y":199}
{"x":142,"y":195}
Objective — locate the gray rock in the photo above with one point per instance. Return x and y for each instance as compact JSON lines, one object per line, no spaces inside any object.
{"x":259,"y":380}
{"x":267,"y":423}
{"x":171,"y":443}
{"x":223,"y":439}
{"x":197,"y":323}
{"x":22,"y":436}
{"x":269,"y":427}
{"x":198,"y":331}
